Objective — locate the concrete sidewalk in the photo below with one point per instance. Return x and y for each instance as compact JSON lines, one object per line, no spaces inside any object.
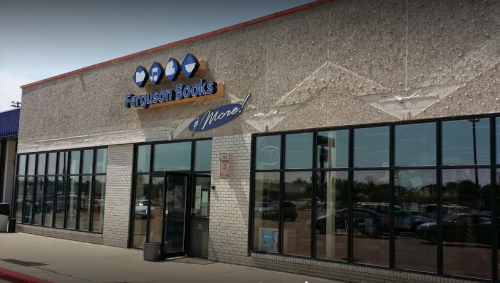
{"x":63,"y":261}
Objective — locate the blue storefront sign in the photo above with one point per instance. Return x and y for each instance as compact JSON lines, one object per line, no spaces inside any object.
{"x":217,"y":117}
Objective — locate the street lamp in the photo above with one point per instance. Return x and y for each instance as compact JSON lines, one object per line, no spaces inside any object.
{"x":15,"y":104}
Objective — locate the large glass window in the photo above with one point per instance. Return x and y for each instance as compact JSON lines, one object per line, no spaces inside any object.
{"x":333,"y":149}
{"x":466,"y":142}
{"x":266,"y":211}
{"x":172,"y":157}
{"x":332,"y":214}
{"x":267,"y":152}
{"x":395,"y":189}
{"x":415,"y":145}
{"x":298,"y":151}
{"x":203,"y":155}
{"x":371,"y":147}
{"x":67,"y":191}
{"x":141,"y":211}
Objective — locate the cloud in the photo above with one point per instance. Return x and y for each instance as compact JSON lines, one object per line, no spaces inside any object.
{"x":10,"y":89}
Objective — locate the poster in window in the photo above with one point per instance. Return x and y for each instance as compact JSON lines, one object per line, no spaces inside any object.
{"x":268,"y":240}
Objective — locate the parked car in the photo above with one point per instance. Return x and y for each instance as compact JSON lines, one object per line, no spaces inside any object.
{"x":289,"y":211}
{"x":446,"y":210}
{"x":462,"y":228}
{"x":408,"y":221}
{"x":365,"y":221}
{"x":141,"y":208}
{"x":261,"y":210}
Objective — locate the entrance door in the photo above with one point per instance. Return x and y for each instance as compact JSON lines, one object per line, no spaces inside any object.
{"x":174,"y":214}
{"x":199,"y":219}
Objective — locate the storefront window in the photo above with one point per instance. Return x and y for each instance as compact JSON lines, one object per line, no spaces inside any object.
{"x":415,"y":145}
{"x":297,"y":213}
{"x":371,"y":147}
{"x":172,"y":157}
{"x":466,"y":227}
{"x":38,"y":200}
{"x":51,"y":165}
{"x":88,"y":160}
{"x":141,"y":211}
{"x":99,"y":203}
{"x":266,"y":212}
{"x":332,"y":217}
{"x":267,"y":152}
{"x":415,"y":200}
{"x":75,"y":162}
{"x":466,"y":142}
{"x":21,"y":169}
{"x":63,"y":163}
{"x":203,"y":155}
{"x":49,"y":201}
{"x":31,"y":164}
{"x":298,"y":151}
{"x":101,"y":162}
{"x":60,"y":201}
{"x":371,"y":193}
{"x":72,"y":202}
{"x":333,"y":149}
{"x":143,"y":158}
{"x":84,"y":211}
{"x":28,"y":201}
{"x":20,"y":198}
{"x":41,"y":164}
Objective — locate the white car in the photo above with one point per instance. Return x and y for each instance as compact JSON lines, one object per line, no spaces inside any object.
{"x":141,"y":207}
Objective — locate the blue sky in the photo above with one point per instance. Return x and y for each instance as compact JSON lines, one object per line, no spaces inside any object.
{"x":41,"y":39}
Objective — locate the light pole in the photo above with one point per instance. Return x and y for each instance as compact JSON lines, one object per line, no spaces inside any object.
{"x":15,"y":104}
{"x":474,"y":121}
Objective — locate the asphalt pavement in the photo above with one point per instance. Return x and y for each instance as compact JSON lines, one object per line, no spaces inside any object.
{"x":36,"y":259}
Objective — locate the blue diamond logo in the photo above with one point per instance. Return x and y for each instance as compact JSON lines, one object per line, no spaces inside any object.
{"x":141,"y":76}
{"x":173,"y":69}
{"x":190,"y":65}
{"x":156,"y":73}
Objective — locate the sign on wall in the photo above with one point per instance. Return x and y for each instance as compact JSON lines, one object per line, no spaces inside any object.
{"x":225,"y":164}
{"x":217,"y":117}
{"x":189,"y":67}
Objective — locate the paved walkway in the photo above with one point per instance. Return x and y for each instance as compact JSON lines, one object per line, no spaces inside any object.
{"x":55,"y":260}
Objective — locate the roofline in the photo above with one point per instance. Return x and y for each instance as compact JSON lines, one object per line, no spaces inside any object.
{"x":175,"y":43}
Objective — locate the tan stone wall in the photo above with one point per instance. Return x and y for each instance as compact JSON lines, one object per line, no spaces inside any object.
{"x":343,"y":62}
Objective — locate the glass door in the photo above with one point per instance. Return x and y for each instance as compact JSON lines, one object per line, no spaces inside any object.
{"x":199,"y":219}
{"x":174,"y":214}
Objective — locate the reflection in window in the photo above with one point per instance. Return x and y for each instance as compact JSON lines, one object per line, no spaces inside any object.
{"x":49,"y":201}
{"x":266,"y":212}
{"x":466,"y":235}
{"x":156,"y":208}
{"x":72,"y":202}
{"x":63,"y":163}
{"x":298,"y":151}
{"x":41,"y":164}
{"x":101,"y":160}
{"x":415,"y":145}
{"x":297,"y":213}
{"x":466,"y":142}
{"x":371,"y":147}
{"x":172,"y":157}
{"x":22,"y":166}
{"x":38,"y":200}
{"x":333,"y":149}
{"x":84,"y":211}
{"x":20,"y":198}
{"x":31,"y":164}
{"x":51,"y":165}
{"x":88,"y":160}
{"x":203,"y":156}
{"x":331,"y":220}
{"x":75,"y":162}
{"x":267,"y":152}
{"x":143,"y":158}
{"x":415,"y":191}
{"x":370,"y":225}
{"x":28,"y":201}
{"x":60,"y":201}
{"x":99,"y":203}
{"x":140,"y":210}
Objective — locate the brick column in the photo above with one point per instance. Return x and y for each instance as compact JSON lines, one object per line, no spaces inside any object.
{"x":118,"y":193}
{"x":229,"y":202}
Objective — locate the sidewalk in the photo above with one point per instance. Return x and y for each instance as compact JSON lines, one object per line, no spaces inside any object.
{"x":63,"y":261}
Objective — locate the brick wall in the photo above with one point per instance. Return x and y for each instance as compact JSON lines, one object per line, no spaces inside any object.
{"x":229,"y":202}
{"x":79,"y":236}
{"x":117,"y":200}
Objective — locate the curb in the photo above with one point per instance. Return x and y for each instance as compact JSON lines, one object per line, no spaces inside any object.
{"x":16,"y":277}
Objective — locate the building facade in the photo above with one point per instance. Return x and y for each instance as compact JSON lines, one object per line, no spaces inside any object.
{"x":353,"y":140}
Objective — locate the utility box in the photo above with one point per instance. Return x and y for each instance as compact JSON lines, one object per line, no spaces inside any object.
{"x":152,"y":251}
